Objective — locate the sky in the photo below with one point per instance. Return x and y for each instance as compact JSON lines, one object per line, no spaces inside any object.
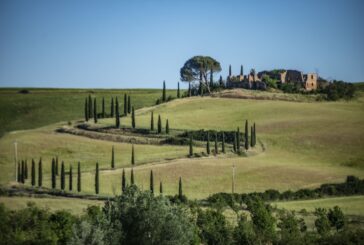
{"x":138,"y":44}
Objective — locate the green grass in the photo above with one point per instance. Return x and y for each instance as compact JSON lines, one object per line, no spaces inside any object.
{"x":74,"y":205}
{"x":45,"y":106}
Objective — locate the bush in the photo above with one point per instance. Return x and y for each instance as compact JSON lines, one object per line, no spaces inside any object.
{"x":202,"y":135}
{"x":24,"y":91}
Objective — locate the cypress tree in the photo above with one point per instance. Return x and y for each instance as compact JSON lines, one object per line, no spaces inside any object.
{"x":216,"y":149}
{"x":62,"y":176}
{"x":178,"y":91}
{"x":160,"y":188}
{"x":90,"y":107}
{"x":19,"y":173}
{"x":26,"y":169}
{"x":70,"y":184}
{"x":229,"y":70}
{"x":56,"y":165}
{"x":159,"y":124}
{"x":246,"y":135}
{"x":255,"y":136}
{"x":86,"y":110}
{"x":117,"y":114}
{"x":132,"y":177}
{"x":103,"y":107}
{"x":208,"y":144}
{"x":40,"y":173}
{"x":152,"y":122}
{"x":132,"y":155}
{"x":53,"y":174}
{"x":223,"y":143}
{"x":95,"y":111}
{"x":180,"y":193}
{"x":79,"y":177}
{"x":234,"y":145}
{"x":238,"y":140}
{"x":220,"y":81}
{"x":123,"y":181}
{"x":167,"y":127}
{"x":33,"y":172}
{"x":251,"y":136}
{"x":125,"y":105}
{"x":133,"y":117}
{"x":151,"y":182}
{"x":241,"y":70}
{"x":112,"y":158}
{"x":22,"y":172}
{"x":112,"y":107}
{"x":191,"y":147}
{"x":164,"y":98}
{"x":129,"y":104}
{"x":97,"y":179}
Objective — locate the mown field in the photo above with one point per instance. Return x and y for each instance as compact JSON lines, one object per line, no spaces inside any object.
{"x":306,"y":144}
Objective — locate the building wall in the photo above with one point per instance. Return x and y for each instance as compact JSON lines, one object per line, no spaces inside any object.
{"x":311,"y":82}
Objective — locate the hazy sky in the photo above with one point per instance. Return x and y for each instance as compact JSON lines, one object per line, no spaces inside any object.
{"x":130,"y":44}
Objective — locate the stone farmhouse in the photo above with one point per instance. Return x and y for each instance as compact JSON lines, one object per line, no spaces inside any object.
{"x":257,"y":80}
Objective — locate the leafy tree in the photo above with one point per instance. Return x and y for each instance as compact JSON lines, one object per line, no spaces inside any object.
{"x":86,"y":110}
{"x":132,"y":176}
{"x":132,"y":155}
{"x":112,"y":107}
{"x":129,"y":104}
{"x":160,"y":188}
{"x":164,"y":97}
{"x":152,"y":122}
{"x":322,"y":223}
{"x":112,"y":158}
{"x":216,"y":149}
{"x":123,"y":181}
{"x":62,"y":176}
{"x":117,"y":113}
{"x":244,"y":232}
{"x":97,"y":184}
{"x":191,"y":146}
{"x":180,"y":192}
{"x":198,"y":68}
{"x":53,"y":174}
{"x":167,"y":127}
{"x":125,"y":105}
{"x":223,"y":143}
{"x":159,"y":124}
{"x":70,"y":184}
{"x":95,"y":111}
{"x":40,"y":173}
{"x":133,"y":117}
{"x":33,"y":173}
{"x":336,"y":218}
{"x":246,"y":135}
{"x":189,"y":90}
{"x":103,"y":107}
{"x":211,"y":78}
{"x":79,"y":177}
{"x":178,"y":91}
{"x":291,"y":228}
{"x":151,"y":183}
{"x":208,"y":143}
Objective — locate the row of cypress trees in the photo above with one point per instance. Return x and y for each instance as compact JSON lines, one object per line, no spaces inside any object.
{"x":159,"y":124}
{"x":113,"y":156}
{"x":63,"y":176}
{"x":22,"y":170}
{"x":164,"y":93}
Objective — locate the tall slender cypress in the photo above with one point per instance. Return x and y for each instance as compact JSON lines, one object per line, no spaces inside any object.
{"x":19,"y":172}
{"x":132,"y":177}
{"x":95,"y":111}
{"x":132,"y":155}
{"x":79,"y":177}
{"x":97,"y":179}
{"x":159,"y":124}
{"x":86,"y":110}
{"x":255,"y":135}
{"x":22,"y":172}
{"x":112,"y":158}
{"x":160,"y":188}
{"x":180,"y":192}
{"x":167,"y":127}
{"x":26,"y":169}
{"x":234,"y":145}
{"x":216,"y":149}
{"x":40,"y":173}
{"x":125,"y":105}
{"x":208,"y":143}
{"x":112,"y":107}
{"x":164,"y":97}
{"x":33,"y":172}
{"x":151,"y":183}
{"x":129,"y":104}
{"x":241,"y":70}
{"x":223,"y":143}
{"x":191,"y":147}
{"x":133,"y":117}
{"x":123,"y":181}
{"x":238,"y":140}
{"x":90,"y":107}
{"x":251,"y":136}
{"x":152,"y":121}
{"x":70,"y":184}
{"x":57,"y":165}
{"x":117,"y":114}
{"x":229,"y":70}
{"x":246,"y":135}
{"x":53,"y":174}
{"x":103,"y":107}
{"x":62,"y":177}
{"x":178,"y":91}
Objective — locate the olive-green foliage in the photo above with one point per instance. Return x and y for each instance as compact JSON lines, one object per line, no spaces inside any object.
{"x":322,"y":222}
{"x":336,"y":218}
